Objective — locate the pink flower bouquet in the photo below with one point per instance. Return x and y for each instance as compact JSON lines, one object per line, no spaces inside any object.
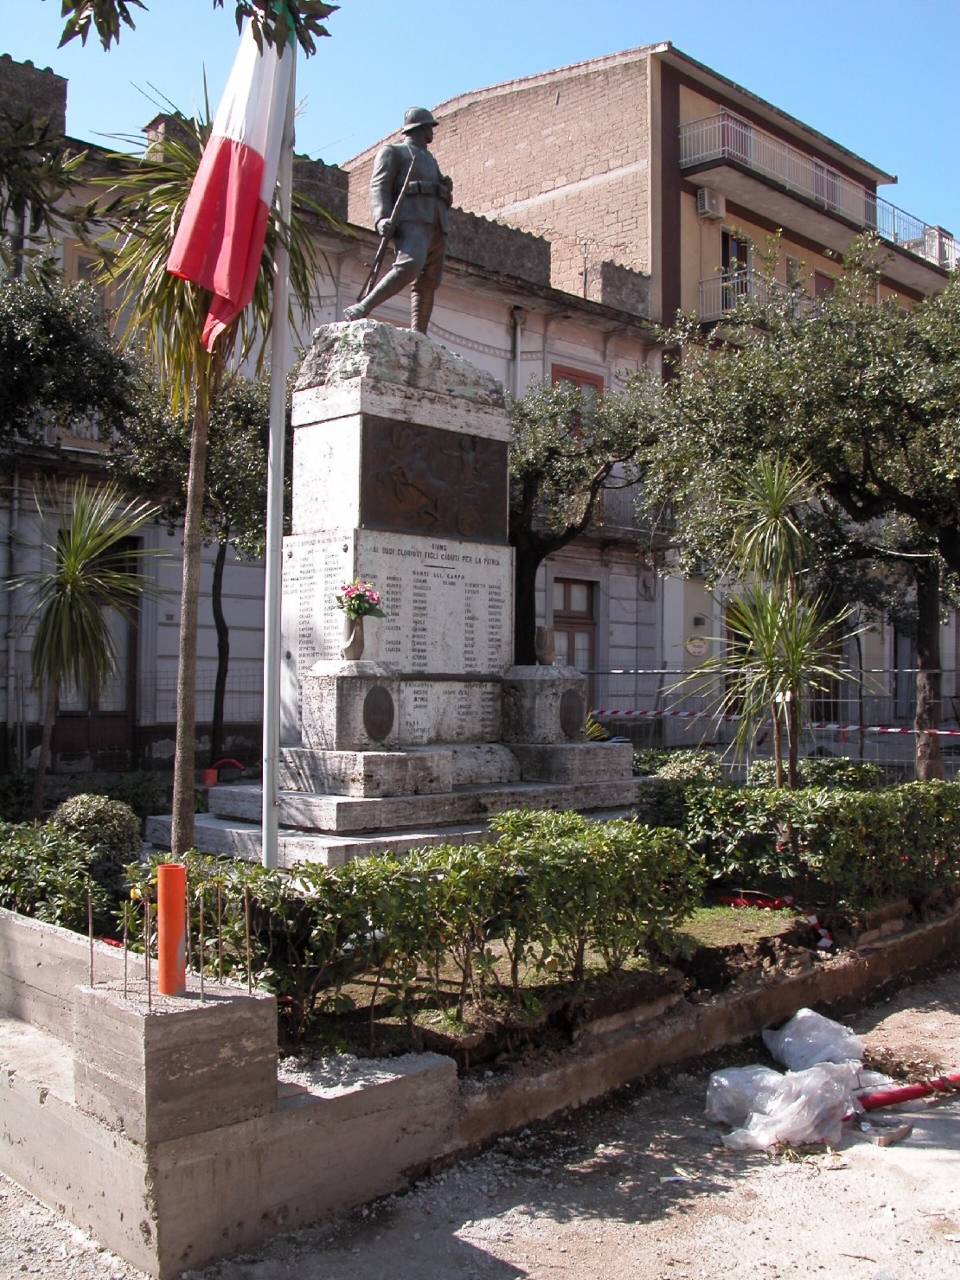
{"x":359,"y":599}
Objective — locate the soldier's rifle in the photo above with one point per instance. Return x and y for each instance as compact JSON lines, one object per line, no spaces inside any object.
{"x":387,"y":235}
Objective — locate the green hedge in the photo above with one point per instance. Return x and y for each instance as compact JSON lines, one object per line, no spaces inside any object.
{"x":866,"y":846}
{"x":822,"y":771}
{"x":48,"y":873}
{"x":556,"y":892}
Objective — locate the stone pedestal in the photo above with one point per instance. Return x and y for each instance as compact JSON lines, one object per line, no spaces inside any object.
{"x":400,"y":477}
{"x":416,"y":772}
{"x":544,"y":704}
{"x":350,"y":706}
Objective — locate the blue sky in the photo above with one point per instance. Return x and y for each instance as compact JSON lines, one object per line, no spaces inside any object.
{"x":880,"y":78}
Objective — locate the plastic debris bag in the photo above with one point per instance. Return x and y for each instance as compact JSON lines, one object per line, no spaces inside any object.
{"x":809,"y":1106}
{"x":867,"y":1080}
{"x":732,"y":1094}
{"x":809,"y":1038}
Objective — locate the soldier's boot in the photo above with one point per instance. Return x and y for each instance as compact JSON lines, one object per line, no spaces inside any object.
{"x":421,"y":308}
{"x":397,"y":278}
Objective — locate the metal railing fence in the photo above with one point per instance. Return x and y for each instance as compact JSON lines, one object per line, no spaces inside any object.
{"x":723,"y":292}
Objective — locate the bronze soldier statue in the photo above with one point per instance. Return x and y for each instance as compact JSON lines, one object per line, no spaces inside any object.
{"x":409,"y":199}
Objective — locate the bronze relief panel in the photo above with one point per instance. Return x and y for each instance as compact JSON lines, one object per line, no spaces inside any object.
{"x":424,"y":480}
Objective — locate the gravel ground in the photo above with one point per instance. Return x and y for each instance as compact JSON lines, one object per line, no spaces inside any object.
{"x":636,"y":1188}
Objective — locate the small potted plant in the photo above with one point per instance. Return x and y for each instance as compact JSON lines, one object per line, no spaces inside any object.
{"x":358,"y":600}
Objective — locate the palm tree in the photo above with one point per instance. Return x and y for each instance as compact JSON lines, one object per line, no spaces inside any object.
{"x":769,"y":538}
{"x":166,"y":316}
{"x":37,"y":173}
{"x":781,"y":651}
{"x":771,"y":545}
{"x":782,"y":640}
{"x":91,"y":569}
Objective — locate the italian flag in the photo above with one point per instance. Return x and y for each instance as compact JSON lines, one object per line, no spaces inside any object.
{"x":220,"y":239}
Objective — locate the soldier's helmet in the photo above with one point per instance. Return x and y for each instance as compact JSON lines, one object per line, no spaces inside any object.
{"x":414,"y":117}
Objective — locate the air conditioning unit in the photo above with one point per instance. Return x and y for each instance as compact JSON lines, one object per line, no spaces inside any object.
{"x":711,"y":204}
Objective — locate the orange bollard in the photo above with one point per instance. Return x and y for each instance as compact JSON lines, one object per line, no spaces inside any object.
{"x":172,"y":929}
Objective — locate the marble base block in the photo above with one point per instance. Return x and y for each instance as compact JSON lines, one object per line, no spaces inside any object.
{"x":544,"y":704}
{"x":574,"y":762}
{"x":350,"y":706}
{"x":419,"y":772}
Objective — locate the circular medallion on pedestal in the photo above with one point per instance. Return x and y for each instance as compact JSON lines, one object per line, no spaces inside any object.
{"x":572,"y":713}
{"x":378,"y":713}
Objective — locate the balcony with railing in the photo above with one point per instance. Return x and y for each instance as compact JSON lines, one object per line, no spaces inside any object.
{"x":725,"y":291}
{"x":725,"y":137}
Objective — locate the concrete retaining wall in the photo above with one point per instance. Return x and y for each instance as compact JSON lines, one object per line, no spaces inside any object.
{"x":162,"y":1130}
{"x":41,"y":965}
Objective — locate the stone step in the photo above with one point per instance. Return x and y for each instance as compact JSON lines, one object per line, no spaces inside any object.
{"x":215,"y":835}
{"x":348,"y":814}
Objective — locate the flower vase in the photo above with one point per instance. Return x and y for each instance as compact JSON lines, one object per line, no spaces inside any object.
{"x":544,"y":646}
{"x":352,"y":639}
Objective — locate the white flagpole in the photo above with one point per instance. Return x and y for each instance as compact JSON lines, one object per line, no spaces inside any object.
{"x":279,"y":366}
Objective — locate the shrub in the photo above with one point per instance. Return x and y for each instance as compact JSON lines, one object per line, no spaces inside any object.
{"x":822,"y":771}
{"x":46,"y":873}
{"x":614,"y":887}
{"x":143,"y":790}
{"x":740,"y":831}
{"x":671,"y":775}
{"x":554,"y":887}
{"x":882,"y":844}
{"x":836,"y":771}
{"x":866,"y":846}
{"x":110,"y":828}
{"x":16,"y":797}
{"x":648,"y":761}
{"x":691,"y":766}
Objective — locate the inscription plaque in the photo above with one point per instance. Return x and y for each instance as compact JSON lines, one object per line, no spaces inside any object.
{"x":447,"y":604}
{"x":428,"y":481}
{"x":448,"y":711}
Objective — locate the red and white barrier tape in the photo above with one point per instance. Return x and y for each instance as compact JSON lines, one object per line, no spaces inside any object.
{"x":824,"y":725}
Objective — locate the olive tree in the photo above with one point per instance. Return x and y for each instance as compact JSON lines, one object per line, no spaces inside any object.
{"x":864,"y":393}
{"x":566,"y":449}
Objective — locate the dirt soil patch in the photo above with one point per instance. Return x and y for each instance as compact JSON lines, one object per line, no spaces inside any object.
{"x":718,"y":945}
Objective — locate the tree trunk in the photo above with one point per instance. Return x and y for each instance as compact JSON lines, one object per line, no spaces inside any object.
{"x":929,"y":765}
{"x":18,"y":244}
{"x":525,"y":607}
{"x":223,"y":650}
{"x":778,"y":744}
{"x":184,"y":762}
{"x":793,"y":738}
{"x":40,"y":781}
